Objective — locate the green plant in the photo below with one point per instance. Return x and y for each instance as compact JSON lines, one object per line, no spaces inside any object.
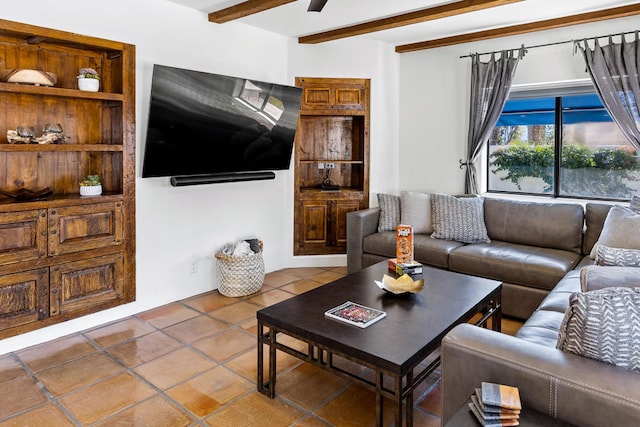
{"x":583,"y":172}
{"x":89,"y":73}
{"x":520,"y":160}
{"x":91,"y":180}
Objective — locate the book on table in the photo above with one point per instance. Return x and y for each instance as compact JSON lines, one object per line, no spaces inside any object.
{"x":355,"y":314}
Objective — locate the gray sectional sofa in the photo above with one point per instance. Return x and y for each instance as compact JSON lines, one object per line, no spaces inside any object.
{"x":533,"y":246}
{"x":538,"y":251}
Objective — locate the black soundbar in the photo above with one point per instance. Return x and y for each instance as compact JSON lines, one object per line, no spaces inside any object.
{"x":217,"y":178}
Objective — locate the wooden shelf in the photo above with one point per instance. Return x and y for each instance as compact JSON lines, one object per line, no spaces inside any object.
{"x":340,"y":162}
{"x":66,"y":255}
{"x":21,"y":148}
{"x":59,"y":92}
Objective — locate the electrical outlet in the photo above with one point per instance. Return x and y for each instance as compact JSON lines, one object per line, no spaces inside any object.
{"x":320,"y":165}
{"x":194,"y":267}
{"x":330,"y":165}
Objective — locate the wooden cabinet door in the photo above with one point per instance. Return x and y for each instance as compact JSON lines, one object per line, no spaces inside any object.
{"x":83,"y":285}
{"x":24,"y":297}
{"x":83,"y":227}
{"x":23,"y":235}
{"x":342,"y":208}
{"x":314,"y":226}
{"x":333,"y":94}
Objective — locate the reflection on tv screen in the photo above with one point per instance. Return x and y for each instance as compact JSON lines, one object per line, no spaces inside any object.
{"x":202,"y":123}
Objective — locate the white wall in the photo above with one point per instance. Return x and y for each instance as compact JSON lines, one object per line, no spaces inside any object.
{"x":177,"y":226}
{"x":434,"y":94}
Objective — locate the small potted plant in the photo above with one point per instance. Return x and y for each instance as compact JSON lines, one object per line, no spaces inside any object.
{"x":91,"y":186}
{"x":88,"y":80}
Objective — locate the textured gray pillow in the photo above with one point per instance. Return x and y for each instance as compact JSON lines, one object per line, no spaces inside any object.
{"x":634,"y":207}
{"x":415,"y":210}
{"x":593,"y":277}
{"x":604,"y":325}
{"x":389,"y":212}
{"x":460,"y":219}
{"x":634,"y":204}
{"x":617,"y":256}
{"x":621,"y":229}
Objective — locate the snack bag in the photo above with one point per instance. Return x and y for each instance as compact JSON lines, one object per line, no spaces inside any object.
{"x":404,"y":244}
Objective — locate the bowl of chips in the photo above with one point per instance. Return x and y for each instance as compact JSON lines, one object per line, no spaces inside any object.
{"x":403,"y":285}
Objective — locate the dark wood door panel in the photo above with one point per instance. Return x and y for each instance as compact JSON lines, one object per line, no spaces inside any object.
{"x":79,"y":285}
{"x":24,"y":297}
{"x":80,"y":228}
{"x":23,"y":235}
{"x":341,"y":211}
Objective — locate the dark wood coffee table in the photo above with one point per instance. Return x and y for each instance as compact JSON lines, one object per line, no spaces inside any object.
{"x":392,"y":347}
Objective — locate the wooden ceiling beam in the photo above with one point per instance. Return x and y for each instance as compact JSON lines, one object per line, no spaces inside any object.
{"x":418,"y":16}
{"x":513,"y":30}
{"x":243,"y":9}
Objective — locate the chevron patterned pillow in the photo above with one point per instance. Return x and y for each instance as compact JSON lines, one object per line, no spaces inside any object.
{"x":604,"y":325}
{"x":617,"y":256}
{"x":460,"y":219}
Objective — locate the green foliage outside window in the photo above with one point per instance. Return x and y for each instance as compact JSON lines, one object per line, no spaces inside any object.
{"x":586,"y":172}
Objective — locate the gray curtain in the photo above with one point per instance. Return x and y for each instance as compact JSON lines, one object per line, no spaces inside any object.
{"x":614,"y":71}
{"x":490,"y":86}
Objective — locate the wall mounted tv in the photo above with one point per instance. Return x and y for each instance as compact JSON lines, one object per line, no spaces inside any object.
{"x":221,"y":127}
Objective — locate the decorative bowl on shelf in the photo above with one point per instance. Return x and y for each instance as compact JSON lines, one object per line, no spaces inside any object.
{"x":90,"y":190}
{"x":403,"y":285}
{"x":88,"y":80}
{"x":32,"y":77}
{"x":25,"y":194}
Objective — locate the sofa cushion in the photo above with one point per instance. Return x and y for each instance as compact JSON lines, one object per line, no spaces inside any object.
{"x":460,"y":219}
{"x":604,"y":325}
{"x":547,"y":225}
{"x":520,"y":264}
{"x":558,"y":299}
{"x":427,"y":251}
{"x":389,"y":212}
{"x":594,"y":216}
{"x":542,"y":328}
{"x":415,"y":210}
{"x":599,"y":277}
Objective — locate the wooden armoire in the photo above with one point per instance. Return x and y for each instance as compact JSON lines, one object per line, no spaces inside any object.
{"x":331,"y":162}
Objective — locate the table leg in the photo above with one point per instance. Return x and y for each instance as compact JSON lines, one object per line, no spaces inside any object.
{"x":409,"y":402}
{"x":496,"y":321}
{"x":379,"y":400}
{"x":261,"y":384}
{"x":272,"y":363}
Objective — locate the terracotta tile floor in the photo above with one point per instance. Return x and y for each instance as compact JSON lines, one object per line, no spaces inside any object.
{"x":189,"y":363}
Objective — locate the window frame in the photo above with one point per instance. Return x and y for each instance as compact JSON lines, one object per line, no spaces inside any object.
{"x":557,"y":91}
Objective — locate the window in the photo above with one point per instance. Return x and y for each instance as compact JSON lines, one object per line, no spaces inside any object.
{"x":563,"y":146}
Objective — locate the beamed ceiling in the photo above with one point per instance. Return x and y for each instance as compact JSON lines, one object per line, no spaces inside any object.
{"x":410,"y":24}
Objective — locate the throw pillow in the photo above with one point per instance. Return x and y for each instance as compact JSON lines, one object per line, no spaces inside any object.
{"x":593,"y":277}
{"x":604,"y":325}
{"x":389,"y":212}
{"x":460,"y":219}
{"x":617,"y":256}
{"x":634,"y":205}
{"x":620,"y":230}
{"x":415,"y":210}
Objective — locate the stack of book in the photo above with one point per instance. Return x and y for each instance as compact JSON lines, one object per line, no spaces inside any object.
{"x":496,"y":405}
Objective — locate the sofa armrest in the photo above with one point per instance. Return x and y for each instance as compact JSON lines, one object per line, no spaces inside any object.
{"x":575,"y":389}
{"x":359,"y":225}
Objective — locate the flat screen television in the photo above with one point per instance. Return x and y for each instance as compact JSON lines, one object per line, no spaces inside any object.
{"x":202,"y":124}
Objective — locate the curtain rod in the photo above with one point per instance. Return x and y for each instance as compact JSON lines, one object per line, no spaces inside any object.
{"x":526,"y":48}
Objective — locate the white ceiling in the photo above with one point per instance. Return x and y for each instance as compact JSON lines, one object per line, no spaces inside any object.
{"x":293,"y":19}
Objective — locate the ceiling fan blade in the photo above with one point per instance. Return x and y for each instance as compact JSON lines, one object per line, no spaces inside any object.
{"x":316,"y":5}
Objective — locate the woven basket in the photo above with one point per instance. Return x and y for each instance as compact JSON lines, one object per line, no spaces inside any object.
{"x":240,"y":275}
